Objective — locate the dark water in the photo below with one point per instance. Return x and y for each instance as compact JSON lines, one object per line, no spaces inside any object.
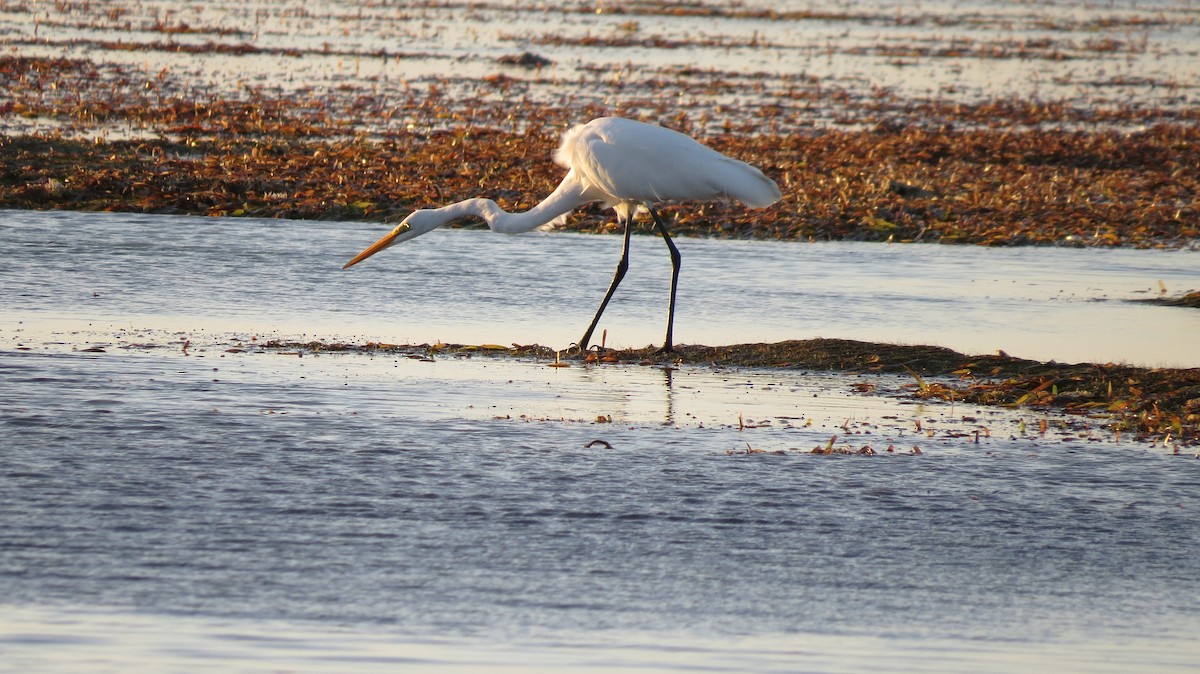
{"x":262,"y":493}
{"x":205,"y":509}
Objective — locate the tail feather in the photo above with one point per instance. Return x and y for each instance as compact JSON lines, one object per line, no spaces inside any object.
{"x":745,"y":183}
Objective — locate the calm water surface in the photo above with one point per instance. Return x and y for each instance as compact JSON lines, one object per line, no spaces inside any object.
{"x":255,"y":511}
{"x":205,"y":278}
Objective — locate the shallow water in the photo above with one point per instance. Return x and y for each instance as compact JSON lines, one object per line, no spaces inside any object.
{"x":88,"y":279}
{"x":206,"y":509}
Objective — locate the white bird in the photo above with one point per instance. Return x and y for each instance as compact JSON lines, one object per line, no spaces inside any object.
{"x":626,"y":165}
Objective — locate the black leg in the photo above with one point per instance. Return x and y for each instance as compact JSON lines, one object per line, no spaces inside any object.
{"x":619,"y":274}
{"x":676,"y":259}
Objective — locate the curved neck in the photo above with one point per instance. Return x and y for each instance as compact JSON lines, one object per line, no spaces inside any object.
{"x":565,"y":198}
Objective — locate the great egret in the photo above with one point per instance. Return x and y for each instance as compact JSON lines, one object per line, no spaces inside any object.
{"x":626,"y":165}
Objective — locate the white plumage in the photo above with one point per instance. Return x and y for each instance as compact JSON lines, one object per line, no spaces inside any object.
{"x":624,"y":164}
{"x":624,"y":161}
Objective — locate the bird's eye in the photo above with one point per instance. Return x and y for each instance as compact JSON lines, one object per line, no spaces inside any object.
{"x":402,"y":227}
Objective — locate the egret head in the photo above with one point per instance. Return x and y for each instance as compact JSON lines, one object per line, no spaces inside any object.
{"x":416,"y":224}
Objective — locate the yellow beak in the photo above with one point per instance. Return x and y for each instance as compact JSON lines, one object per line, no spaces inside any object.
{"x":387,"y":240}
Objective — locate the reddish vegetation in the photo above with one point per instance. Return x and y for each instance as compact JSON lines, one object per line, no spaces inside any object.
{"x":982,"y":186}
{"x":993,"y":173}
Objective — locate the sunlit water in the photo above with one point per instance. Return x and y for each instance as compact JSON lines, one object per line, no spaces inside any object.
{"x":798,"y":63}
{"x":203,"y":509}
{"x":104,"y":278}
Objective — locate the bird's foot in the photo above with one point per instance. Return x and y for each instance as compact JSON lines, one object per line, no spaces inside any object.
{"x":591,"y":354}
